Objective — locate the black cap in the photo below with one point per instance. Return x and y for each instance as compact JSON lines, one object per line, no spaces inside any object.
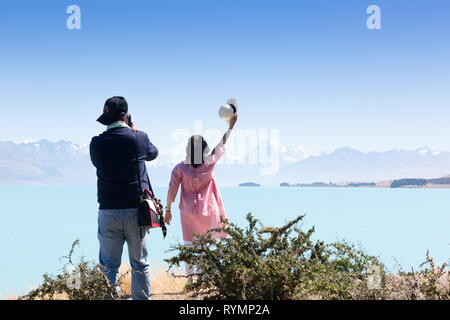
{"x":115,"y":108}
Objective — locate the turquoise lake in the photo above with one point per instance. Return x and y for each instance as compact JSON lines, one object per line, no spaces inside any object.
{"x":39,"y":224}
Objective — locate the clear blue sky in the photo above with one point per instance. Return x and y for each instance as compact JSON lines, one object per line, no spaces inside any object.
{"x":309,"y":68}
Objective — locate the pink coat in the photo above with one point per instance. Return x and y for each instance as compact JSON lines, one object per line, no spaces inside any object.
{"x":200,"y":201}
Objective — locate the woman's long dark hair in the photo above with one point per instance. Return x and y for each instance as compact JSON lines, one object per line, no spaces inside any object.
{"x":195,"y":150}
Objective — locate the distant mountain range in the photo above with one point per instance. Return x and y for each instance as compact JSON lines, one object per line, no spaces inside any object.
{"x":58,"y":163}
{"x":349,"y":165}
{"x":44,"y":162}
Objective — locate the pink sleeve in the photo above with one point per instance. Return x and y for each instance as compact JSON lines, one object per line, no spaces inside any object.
{"x":175,"y":181}
{"x":216,"y":154}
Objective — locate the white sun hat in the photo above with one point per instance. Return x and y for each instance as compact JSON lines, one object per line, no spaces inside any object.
{"x":227,"y":110}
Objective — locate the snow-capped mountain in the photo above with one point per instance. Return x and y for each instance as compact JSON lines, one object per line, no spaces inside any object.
{"x":45,"y":162}
{"x":295,"y":153}
{"x":347,"y":164}
{"x":63,"y":162}
{"x":287,"y":155}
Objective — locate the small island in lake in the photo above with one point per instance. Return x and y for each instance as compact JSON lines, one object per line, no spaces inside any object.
{"x":249,"y":184}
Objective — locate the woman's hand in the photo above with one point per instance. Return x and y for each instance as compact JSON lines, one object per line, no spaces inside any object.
{"x":233,"y":120}
{"x":168,"y":216}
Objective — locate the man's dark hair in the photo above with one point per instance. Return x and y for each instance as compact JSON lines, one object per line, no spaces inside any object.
{"x":118,"y":107}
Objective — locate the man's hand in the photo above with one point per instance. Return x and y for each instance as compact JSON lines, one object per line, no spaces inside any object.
{"x":127,"y":120}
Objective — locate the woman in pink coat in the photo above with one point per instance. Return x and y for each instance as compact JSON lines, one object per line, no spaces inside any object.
{"x":200,"y":202}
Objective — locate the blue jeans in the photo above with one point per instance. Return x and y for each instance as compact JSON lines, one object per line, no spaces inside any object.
{"x":115,"y":226}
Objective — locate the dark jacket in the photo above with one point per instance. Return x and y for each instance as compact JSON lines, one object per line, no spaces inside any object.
{"x":113,"y":153}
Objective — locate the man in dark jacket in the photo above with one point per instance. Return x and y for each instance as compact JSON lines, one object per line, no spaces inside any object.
{"x":113,"y":153}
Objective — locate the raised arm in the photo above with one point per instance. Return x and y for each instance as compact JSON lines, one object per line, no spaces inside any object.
{"x":152,"y":151}
{"x":231,"y":123}
{"x":219,"y":150}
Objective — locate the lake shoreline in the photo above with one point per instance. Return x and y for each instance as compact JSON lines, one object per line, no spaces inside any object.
{"x":431,"y":186}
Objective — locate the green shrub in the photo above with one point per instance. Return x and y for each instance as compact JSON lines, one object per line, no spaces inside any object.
{"x":277,"y":263}
{"x":82,"y":281}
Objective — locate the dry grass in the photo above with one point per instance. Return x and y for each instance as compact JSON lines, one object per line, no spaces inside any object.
{"x":164,"y":285}
{"x":167,"y":287}
{"x":407,"y":287}
{"x":434,"y":284}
